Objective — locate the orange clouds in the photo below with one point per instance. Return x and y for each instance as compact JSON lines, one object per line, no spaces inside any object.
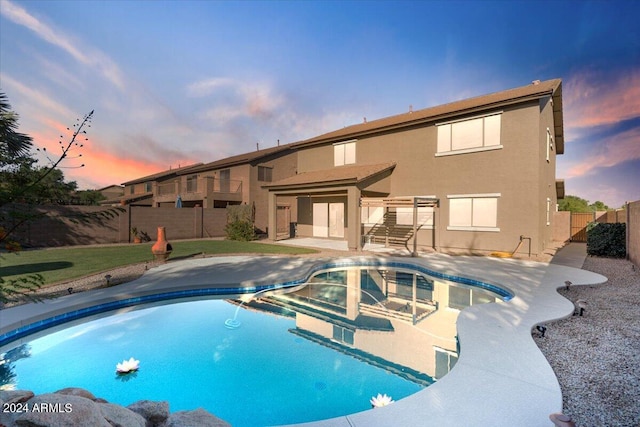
{"x":593,"y":100}
{"x":101,"y":167}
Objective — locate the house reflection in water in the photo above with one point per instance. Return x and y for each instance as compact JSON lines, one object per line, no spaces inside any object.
{"x":398,"y":319}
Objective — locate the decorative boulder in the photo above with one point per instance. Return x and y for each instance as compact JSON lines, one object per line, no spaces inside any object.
{"x":75,"y":391}
{"x":58,"y":410}
{"x":199,"y":417}
{"x":154,"y":412}
{"x":119,"y":416}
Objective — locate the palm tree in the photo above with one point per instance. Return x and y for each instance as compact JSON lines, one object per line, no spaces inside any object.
{"x":12,"y":142}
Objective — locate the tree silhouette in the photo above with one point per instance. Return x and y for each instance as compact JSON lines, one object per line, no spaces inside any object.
{"x":23,"y":186}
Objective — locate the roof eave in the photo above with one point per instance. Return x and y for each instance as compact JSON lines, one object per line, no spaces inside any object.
{"x":423,"y":120}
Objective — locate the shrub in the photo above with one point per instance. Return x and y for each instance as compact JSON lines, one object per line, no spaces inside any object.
{"x":607,"y":240}
{"x":240,"y":223}
{"x":240,"y":230}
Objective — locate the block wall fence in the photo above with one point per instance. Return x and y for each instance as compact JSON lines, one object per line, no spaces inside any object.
{"x":88,"y":225}
{"x":633,"y":232}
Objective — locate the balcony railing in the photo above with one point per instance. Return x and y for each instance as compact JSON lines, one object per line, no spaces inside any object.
{"x":199,"y":187}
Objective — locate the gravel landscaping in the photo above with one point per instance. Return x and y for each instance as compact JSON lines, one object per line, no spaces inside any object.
{"x":596,"y":357}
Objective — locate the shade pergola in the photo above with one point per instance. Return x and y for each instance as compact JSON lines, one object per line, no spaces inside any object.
{"x":414,"y":202}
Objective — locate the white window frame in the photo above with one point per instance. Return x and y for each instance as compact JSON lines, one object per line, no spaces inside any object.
{"x":344,"y":153}
{"x":469,"y":225}
{"x":549,"y":144}
{"x":445,"y":136}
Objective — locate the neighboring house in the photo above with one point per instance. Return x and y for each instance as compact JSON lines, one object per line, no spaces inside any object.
{"x":112,"y":191}
{"x":143,"y":191}
{"x":469,"y":176}
{"x":230,"y":181}
{"x":236,"y":180}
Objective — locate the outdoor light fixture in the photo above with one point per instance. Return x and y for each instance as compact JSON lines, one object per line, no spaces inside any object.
{"x":567,"y":284}
{"x":108,"y":279}
{"x":582,"y":305}
{"x":542,"y":329}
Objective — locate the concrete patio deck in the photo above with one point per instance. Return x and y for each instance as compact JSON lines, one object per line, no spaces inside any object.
{"x":501,"y":378}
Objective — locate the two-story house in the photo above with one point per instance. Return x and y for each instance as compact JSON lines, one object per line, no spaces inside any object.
{"x":230,"y":181}
{"x":469,"y":176}
{"x":142,"y":191}
{"x":238,"y":180}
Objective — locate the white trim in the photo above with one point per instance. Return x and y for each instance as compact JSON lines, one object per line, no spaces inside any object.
{"x":464,"y":196}
{"x":482,"y":116}
{"x":548,"y":211}
{"x":458,"y":228}
{"x":469,"y":150}
{"x":344,"y":142}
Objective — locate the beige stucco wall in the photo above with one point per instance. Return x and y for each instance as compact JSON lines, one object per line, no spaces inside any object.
{"x":633,"y":232}
{"x":283,"y":166}
{"x":518,"y":172}
{"x":561,"y":226}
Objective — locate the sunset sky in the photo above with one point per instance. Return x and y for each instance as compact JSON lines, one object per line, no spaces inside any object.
{"x":174,"y":83}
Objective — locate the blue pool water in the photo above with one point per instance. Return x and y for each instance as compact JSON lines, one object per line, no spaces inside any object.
{"x":257,"y":374}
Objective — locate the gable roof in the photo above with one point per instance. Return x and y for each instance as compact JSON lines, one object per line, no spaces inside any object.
{"x":240,"y":158}
{"x":163,"y":174}
{"x":534,"y":91}
{"x":338,"y":175}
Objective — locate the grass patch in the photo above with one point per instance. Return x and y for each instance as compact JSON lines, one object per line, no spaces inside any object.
{"x":62,"y":264}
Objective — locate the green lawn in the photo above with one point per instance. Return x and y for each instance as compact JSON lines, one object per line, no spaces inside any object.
{"x":61,"y":264}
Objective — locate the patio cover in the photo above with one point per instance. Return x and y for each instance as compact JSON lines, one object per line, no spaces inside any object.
{"x":350,"y":180}
{"x":414,"y":202}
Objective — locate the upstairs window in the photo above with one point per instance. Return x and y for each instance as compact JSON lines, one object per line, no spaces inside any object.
{"x":265,"y":174}
{"x":344,"y":153}
{"x":148,"y":187}
{"x":467,"y":136}
{"x":192,"y":184}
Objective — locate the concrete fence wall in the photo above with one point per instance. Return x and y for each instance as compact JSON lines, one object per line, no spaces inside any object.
{"x":54,"y":226}
{"x":185,"y":223}
{"x":633,"y":232}
{"x":611,"y":217}
{"x":561,"y":226}
{"x":568,"y":226}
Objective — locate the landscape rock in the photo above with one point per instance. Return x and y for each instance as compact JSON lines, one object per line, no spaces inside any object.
{"x":75,"y":391}
{"x":197,"y":418}
{"x":58,"y":410}
{"x":15,"y":396}
{"x":76,"y":407}
{"x":156,"y":413}
{"x":119,"y":416}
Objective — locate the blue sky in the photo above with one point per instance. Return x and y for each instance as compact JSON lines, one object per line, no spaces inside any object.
{"x":173,"y":83}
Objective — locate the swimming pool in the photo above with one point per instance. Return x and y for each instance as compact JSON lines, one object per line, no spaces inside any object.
{"x":329,"y":318}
